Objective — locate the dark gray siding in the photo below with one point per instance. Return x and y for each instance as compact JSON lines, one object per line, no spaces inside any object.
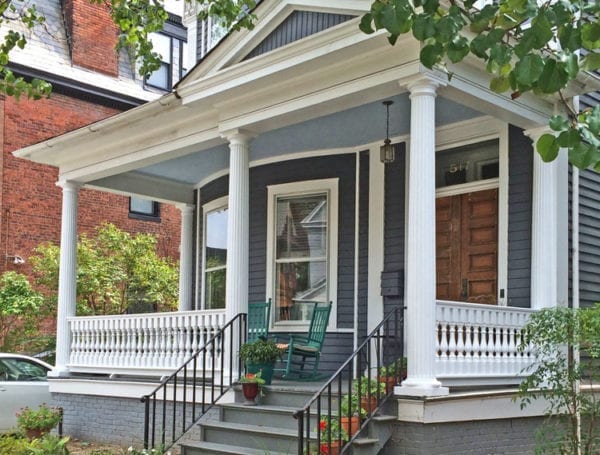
{"x":298,"y":25}
{"x":363,"y":244}
{"x":520,"y":159}
{"x":337,"y":346}
{"x":589,"y":238}
{"x":394,"y":222}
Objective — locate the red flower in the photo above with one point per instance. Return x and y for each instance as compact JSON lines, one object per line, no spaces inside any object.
{"x":324,"y":449}
{"x":322,"y":425}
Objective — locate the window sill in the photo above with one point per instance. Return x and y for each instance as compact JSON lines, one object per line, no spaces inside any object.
{"x":141,"y":216}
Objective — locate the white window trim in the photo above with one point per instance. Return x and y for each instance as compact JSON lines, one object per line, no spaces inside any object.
{"x":330,"y":186}
{"x":217,"y":204}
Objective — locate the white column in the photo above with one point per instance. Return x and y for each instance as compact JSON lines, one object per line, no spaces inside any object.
{"x":420,"y":283}
{"x":185,"y":257}
{"x":67,"y":280}
{"x":544,"y":227}
{"x":236,"y":290}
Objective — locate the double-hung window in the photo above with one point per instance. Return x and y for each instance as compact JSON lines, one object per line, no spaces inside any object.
{"x":302,"y":252}
{"x":215,"y":254}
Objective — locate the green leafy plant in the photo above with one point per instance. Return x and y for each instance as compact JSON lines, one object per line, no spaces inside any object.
{"x":260,"y":351}
{"x":395,"y":369}
{"x":330,"y":432}
{"x":573,"y":411}
{"x":49,"y":445}
{"x":44,"y":418}
{"x":154,"y":451}
{"x":252,"y":378}
{"x":115,"y":271}
{"x":527,"y":46}
{"x":366,"y":386}
{"x":350,"y":406}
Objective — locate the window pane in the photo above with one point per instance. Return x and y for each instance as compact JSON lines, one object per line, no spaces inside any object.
{"x":161,"y":44}
{"x":298,"y":285}
{"x":215,"y":289}
{"x":143,"y":206}
{"x":160,"y":77}
{"x":301,"y":226}
{"x":216,"y":238}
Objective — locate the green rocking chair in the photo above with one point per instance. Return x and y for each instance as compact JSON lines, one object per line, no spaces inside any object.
{"x":300,"y":347}
{"x":259,"y":314}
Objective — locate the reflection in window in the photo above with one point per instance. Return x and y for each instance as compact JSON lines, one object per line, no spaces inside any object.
{"x":215,"y":258}
{"x":468,"y":163}
{"x":300,"y":255}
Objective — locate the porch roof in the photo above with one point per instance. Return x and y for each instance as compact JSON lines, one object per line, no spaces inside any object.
{"x":331,"y":72}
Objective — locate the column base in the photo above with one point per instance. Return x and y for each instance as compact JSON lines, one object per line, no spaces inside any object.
{"x":59,"y":372}
{"x":424,"y":388}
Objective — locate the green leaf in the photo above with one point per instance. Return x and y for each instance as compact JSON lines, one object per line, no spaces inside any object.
{"x":591,"y":62}
{"x":569,"y":37}
{"x":559,"y":123}
{"x":500,"y":84}
{"x":581,"y":155}
{"x":423,"y":27}
{"x":568,"y":138}
{"x":571,"y":63}
{"x":547,"y":147}
{"x":528,"y":69}
{"x":431,"y":54}
{"x":542,"y":30}
{"x":457,"y":49}
{"x":389,"y":21}
{"x":590,"y":35}
{"x":366,"y":24}
{"x":553,"y":77}
{"x":526,"y":43}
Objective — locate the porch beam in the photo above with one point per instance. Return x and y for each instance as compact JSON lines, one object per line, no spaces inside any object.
{"x":185,"y":257}
{"x":67,"y":278}
{"x":420,"y":269}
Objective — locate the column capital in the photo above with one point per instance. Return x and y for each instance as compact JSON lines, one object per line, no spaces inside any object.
{"x":238,"y":136}
{"x":69,"y":185}
{"x":423,"y":84}
{"x":186,"y":208}
{"x":536,"y":132}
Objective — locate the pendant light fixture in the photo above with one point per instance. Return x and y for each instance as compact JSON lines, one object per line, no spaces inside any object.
{"x":387,"y":152}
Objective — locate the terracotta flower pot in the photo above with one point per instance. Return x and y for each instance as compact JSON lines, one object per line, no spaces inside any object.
{"x":35,"y":433}
{"x":350,"y":425}
{"x":325,"y":449}
{"x":250,"y":391}
{"x":369,"y":404}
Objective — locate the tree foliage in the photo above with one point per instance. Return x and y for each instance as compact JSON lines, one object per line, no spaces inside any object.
{"x":115,"y":271}
{"x":555,"y":334}
{"x":20,"y":307}
{"x":527,"y":46}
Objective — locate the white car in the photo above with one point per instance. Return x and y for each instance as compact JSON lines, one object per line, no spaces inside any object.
{"x":23,"y":382}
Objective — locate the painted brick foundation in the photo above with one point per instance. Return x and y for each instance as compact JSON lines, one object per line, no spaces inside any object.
{"x":484,"y":437}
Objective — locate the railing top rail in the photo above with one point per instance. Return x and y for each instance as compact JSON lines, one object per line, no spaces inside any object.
{"x":481,"y":306}
{"x":147,"y":315}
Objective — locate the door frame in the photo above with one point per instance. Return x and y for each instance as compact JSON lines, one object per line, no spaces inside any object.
{"x":485,"y":130}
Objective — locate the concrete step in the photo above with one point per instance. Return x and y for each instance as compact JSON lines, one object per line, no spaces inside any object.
{"x":271,"y":416}
{"x":210,"y":448}
{"x":290,"y":397}
{"x":259,"y":437}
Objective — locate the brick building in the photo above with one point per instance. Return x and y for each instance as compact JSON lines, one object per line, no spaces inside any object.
{"x":75,"y":52}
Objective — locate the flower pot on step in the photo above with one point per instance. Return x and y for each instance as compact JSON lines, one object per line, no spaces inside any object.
{"x":350,"y":424}
{"x":250,"y":391}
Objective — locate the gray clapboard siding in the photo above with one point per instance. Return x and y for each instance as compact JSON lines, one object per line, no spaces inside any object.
{"x":298,"y":25}
{"x":520,"y":158}
{"x":338,"y":345}
{"x":589,"y":238}
{"x":363,"y":244}
{"x":394,"y":220}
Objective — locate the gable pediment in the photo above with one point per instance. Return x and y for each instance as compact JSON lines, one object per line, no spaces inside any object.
{"x":278,"y":23}
{"x":298,"y":25}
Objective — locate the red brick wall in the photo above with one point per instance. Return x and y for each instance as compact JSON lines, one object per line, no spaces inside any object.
{"x":30,"y":200}
{"x":93,"y":36}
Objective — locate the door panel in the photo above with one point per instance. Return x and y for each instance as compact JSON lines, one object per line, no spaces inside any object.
{"x":467,"y":247}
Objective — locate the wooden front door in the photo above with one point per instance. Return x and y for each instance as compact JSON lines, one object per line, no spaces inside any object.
{"x":467,"y":247}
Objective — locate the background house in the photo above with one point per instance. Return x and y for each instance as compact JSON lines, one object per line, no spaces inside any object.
{"x":74,"y":51}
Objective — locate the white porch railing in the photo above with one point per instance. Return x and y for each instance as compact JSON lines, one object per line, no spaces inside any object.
{"x":142,"y":344}
{"x":478,"y":344}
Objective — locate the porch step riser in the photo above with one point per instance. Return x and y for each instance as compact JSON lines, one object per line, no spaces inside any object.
{"x":278,"y":398}
{"x":264,"y":417}
{"x":268,"y":442}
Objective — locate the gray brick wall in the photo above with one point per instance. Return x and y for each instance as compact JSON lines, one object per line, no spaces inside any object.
{"x":113,"y":420}
{"x":488,"y":437}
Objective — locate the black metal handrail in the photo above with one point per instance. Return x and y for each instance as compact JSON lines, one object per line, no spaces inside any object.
{"x":344,"y":396}
{"x":171,"y":395}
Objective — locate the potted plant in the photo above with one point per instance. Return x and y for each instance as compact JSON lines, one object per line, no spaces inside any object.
{"x":36,"y":423}
{"x":352,"y":412}
{"x":251,"y":387}
{"x":260,"y":355}
{"x":331,"y":436}
{"x":369,"y":390}
{"x":394,"y":373}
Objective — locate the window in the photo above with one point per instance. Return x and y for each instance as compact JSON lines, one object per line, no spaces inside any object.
{"x":215,"y":254}
{"x":173,"y":53}
{"x":143,"y":209}
{"x":303,"y":248}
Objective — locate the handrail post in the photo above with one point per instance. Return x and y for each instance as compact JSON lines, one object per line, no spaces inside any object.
{"x":146,"y":401}
{"x":299,"y":415}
